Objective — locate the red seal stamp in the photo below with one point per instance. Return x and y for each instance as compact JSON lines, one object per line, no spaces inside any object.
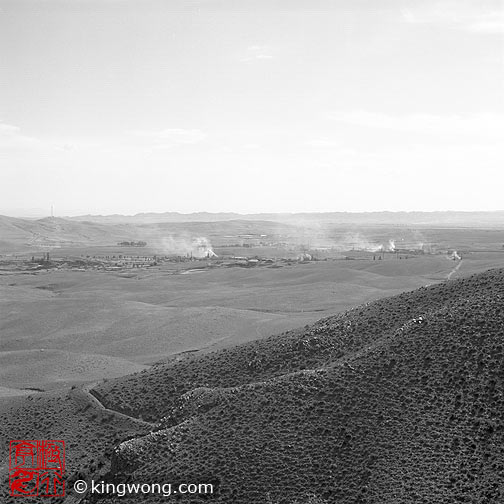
{"x":37,"y":468}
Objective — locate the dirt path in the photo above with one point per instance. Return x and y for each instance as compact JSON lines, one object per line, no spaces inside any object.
{"x":454,"y":270}
{"x":86,"y":400}
{"x":84,"y":397}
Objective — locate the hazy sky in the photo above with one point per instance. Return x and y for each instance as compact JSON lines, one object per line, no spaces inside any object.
{"x":122,"y":106}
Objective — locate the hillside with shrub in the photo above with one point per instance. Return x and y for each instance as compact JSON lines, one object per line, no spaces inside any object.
{"x":396,"y":401}
{"x":90,"y":435}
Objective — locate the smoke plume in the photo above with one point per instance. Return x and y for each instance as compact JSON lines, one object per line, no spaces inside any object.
{"x":198,"y":247}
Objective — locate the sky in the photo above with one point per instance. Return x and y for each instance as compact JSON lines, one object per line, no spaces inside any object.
{"x":121,"y":106}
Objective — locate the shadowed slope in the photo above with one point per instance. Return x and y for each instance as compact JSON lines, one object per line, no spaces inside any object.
{"x":397,"y":401}
{"x":314,"y":346}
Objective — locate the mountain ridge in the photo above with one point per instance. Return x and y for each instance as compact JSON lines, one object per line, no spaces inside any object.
{"x":385,"y":217}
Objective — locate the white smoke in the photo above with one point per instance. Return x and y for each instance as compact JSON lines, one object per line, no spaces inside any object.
{"x":454,"y":256}
{"x":304,"y":257}
{"x":357,"y":241}
{"x":311,"y":237}
{"x":198,"y":247}
{"x":202,"y":248}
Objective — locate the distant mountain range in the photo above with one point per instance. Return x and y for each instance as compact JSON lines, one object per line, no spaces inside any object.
{"x":417,"y":218}
{"x":23,"y":234}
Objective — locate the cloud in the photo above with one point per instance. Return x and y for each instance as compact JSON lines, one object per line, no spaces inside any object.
{"x":487,"y":125}
{"x":476,"y":17}
{"x":174,"y":136}
{"x":323,"y":142}
{"x":493,"y":23}
{"x":251,"y":146}
{"x":419,"y":163}
{"x":258,"y":52}
{"x":15,"y":142}
{"x":8,"y":130}
{"x":11,"y":138}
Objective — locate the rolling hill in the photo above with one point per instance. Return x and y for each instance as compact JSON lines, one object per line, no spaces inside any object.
{"x":396,"y":401}
{"x":23,"y":234}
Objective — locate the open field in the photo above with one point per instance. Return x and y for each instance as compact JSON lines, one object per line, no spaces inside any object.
{"x":86,"y":325}
{"x":62,"y":327}
{"x":98,"y":310}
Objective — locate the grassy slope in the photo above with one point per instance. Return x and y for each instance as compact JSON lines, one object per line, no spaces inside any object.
{"x":389,"y":407}
{"x":89,"y":434}
{"x":308,"y":348}
{"x":54,"y":368}
{"x":156,"y":314}
{"x":22,"y":234}
{"x":374,"y":405}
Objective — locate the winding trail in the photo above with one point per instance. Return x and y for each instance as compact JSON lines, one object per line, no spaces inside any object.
{"x":454,"y":270}
{"x":84,"y":397}
{"x":86,"y":400}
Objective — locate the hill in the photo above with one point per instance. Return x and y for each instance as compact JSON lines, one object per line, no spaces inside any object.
{"x":23,"y":234}
{"x":398,"y":400}
{"x":54,"y":319}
